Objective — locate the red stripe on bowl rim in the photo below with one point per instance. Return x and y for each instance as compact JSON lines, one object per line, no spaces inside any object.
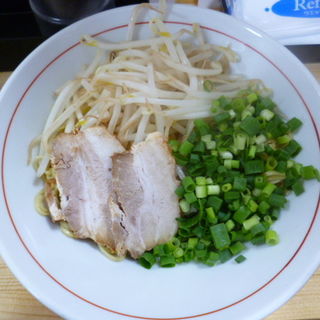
{"x":118,"y":312}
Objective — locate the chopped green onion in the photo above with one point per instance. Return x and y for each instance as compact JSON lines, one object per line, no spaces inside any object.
{"x":266,"y":114}
{"x":235,"y":164}
{"x":293,"y":148}
{"x":213,"y":189}
{"x":174,"y":145}
{"x":202,"y":126}
{"x":268,"y":189}
{"x":188,"y":256}
{"x":169,"y":247}
{"x":227,"y":155}
{"x":186,"y":148}
{"x":272,"y":237}
{"x":252,"y":205}
{"x":192,"y":243}
{"x":253,"y":166}
{"x":290,"y":164}
{"x":259,"y":182}
{"x":226,"y":187}
{"x":260,"y":148}
{"x":230,"y":225}
{"x":200,"y":147}
{"x":223,"y":216}
{"x":284,"y":139}
{"x":201,"y":181}
{"x":267,"y":103}
{"x":252,"y":97}
{"x":209,"y":181}
{"x":298,"y":167}
{"x":225,"y":255}
{"x":259,"y":240}
{"x":235,"y":205}
{"x":190,"y":197}
{"x":178,"y":252}
{"x":264,"y":207}
{"x":277,"y":200}
{"x":251,"y":222}
{"x":188,"y":184}
{"x":240,"y":141}
{"x":252,"y":152}
{"x":298,"y":188}
{"x":282,"y":166}
{"x":250,"y":125}
{"x":282,"y":154}
{"x":215,"y":203}
{"x":271,"y":163}
{"x":211,"y":216}
{"x":158,"y":250}
{"x":212,"y":259}
{"x":261,"y":139}
{"x":194,"y":158}
{"x":237,"y":247}
{"x":294,"y":124}
{"x":256,"y":192}
{"x":232,"y":114}
{"x":180,"y":191}
{"x":237,"y":236}
{"x":239,"y":183}
{"x":268,"y":220}
{"x":201,"y":192}
{"x":181,"y":160}
{"x":273,"y":127}
{"x":167,"y":261}
{"x":231,"y":164}
{"x":231,"y":195}
{"x":240,"y":259}
{"x":238,"y":104}
{"x":211,"y":145}
{"x":257,"y":229}
{"x":220,"y":236}
{"x":221,"y":170}
{"x":147,"y":260}
{"x":241,"y":214}
{"x":206,"y":138}
{"x":245,"y":113}
{"x":220,"y":117}
{"x":239,"y":169}
{"x":184,"y":205}
{"x":275,"y":214}
{"x":308,"y":172}
{"x":200,"y":254}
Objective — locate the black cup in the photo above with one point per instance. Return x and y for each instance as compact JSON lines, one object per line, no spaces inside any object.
{"x":53,"y":15}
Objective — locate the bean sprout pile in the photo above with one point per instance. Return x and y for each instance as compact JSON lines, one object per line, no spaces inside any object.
{"x":137,"y":87}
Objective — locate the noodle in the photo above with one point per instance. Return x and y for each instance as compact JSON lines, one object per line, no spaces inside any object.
{"x":40,"y":204}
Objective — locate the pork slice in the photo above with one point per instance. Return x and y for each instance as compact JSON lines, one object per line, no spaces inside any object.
{"x":144,"y":181}
{"x":83,"y":168}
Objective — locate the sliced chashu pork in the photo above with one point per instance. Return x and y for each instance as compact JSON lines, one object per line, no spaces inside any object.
{"x":144,"y":184}
{"x":83,"y":168}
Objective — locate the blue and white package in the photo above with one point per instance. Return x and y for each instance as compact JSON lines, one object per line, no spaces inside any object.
{"x":289,"y":21}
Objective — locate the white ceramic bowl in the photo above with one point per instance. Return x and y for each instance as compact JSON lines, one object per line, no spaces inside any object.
{"x":71,"y":277}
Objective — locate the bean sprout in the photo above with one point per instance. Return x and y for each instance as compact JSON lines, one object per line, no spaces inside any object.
{"x":145,"y":85}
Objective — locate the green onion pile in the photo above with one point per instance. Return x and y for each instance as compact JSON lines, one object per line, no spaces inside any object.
{"x":239,"y":170}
